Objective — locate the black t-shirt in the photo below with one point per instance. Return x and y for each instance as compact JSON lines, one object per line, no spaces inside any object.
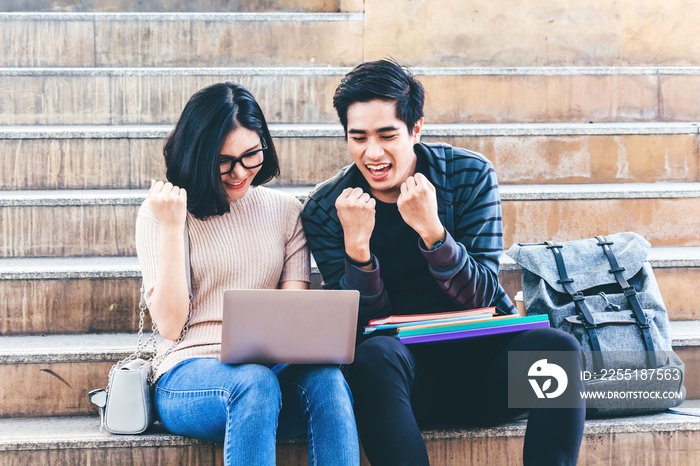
{"x":403,"y":269}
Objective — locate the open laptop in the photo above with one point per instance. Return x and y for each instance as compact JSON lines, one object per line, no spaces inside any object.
{"x":289,"y":326}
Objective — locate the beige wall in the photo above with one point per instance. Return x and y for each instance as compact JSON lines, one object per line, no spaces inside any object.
{"x":533,"y":33}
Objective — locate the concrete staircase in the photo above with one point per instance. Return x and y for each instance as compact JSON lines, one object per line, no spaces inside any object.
{"x":589,"y":113}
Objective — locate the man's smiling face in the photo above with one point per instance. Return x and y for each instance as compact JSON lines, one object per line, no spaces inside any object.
{"x":382,"y":147}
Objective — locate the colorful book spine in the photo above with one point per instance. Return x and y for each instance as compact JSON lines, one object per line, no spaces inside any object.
{"x":472,"y":333}
{"x":370,"y":329}
{"x":422,"y":317}
{"x":456,"y":325}
{"x":486,"y":323}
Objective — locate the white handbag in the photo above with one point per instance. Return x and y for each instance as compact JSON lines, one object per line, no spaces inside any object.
{"x":129,"y":409}
{"x":125,"y":406}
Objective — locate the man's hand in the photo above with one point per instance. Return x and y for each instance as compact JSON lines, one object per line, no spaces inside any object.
{"x":168,"y":204}
{"x":417,"y":205}
{"x":356,"y":213}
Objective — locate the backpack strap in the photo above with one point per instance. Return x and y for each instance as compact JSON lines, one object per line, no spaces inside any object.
{"x":449,"y":208}
{"x":586,"y":316}
{"x":631,"y":295}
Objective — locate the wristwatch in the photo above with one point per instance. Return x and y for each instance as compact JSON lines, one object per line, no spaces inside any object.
{"x":360,"y":264}
{"x":437,"y":244}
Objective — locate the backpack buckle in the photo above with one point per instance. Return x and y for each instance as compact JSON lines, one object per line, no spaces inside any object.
{"x":609,"y":307}
{"x":629,"y":291}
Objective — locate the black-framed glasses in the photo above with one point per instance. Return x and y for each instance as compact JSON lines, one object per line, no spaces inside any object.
{"x":249,"y":160}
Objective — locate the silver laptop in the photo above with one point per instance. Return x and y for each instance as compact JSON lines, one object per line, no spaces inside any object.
{"x":289,"y":326}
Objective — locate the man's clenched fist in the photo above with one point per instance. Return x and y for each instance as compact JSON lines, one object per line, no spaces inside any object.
{"x":356,"y":213}
{"x":417,"y":205}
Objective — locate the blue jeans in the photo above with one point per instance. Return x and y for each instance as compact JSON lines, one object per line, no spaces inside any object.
{"x":240,"y":405}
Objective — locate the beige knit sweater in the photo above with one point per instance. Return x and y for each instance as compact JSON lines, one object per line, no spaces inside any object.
{"x":257,"y":245}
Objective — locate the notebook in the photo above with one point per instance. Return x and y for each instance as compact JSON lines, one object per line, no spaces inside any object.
{"x":289,"y":326}
{"x":497,"y":321}
{"x":471,"y":330}
{"x":409,"y":318}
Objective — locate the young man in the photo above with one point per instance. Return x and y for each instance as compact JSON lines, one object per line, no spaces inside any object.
{"x":416,"y":228}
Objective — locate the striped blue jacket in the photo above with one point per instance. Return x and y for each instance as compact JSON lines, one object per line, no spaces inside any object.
{"x":465,"y":266}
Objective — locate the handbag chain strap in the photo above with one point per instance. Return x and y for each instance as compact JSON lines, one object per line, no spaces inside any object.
{"x":142,"y":347}
{"x":151,"y":376}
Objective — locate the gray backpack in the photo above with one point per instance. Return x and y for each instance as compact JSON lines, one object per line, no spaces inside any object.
{"x":603,"y":292}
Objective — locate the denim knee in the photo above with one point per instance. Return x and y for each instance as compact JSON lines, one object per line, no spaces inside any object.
{"x":201,"y":396}
{"x":256,"y":385}
{"x":317,"y":382}
{"x":329,"y":379}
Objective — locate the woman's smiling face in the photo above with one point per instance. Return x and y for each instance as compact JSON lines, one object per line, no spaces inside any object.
{"x":241,"y":142}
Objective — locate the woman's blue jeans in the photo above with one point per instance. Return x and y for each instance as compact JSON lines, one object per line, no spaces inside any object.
{"x":240,"y":405}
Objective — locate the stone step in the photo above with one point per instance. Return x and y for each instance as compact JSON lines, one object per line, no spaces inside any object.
{"x":57,"y":371}
{"x":664,"y":213}
{"x":101,"y":222}
{"x":77,"y":440}
{"x":101,"y":294}
{"x":223,"y":6}
{"x":180,"y":39}
{"x":69,"y":295}
{"x":118,"y":96}
{"x":128,"y":157}
{"x":541,"y":32}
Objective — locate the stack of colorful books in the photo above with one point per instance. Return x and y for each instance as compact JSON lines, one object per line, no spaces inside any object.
{"x":426,"y":328}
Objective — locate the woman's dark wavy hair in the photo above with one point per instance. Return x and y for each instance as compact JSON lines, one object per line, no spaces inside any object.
{"x":381,"y":80}
{"x":193,"y":148}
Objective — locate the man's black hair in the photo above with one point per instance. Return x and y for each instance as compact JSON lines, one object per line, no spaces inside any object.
{"x":193,"y":149}
{"x":381,"y":80}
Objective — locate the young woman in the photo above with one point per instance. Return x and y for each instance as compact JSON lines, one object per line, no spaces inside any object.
{"x":241,"y":235}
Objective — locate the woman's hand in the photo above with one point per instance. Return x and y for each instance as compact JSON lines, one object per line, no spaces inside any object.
{"x":170,"y":299}
{"x":168,"y":204}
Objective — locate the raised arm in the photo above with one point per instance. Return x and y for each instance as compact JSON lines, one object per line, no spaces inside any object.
{"x":160,"y":247}
{"x":327,"y":242}
{"x":466,"y":267}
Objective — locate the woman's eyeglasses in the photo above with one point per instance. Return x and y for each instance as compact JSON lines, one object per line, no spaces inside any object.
{"x":249,"y":160}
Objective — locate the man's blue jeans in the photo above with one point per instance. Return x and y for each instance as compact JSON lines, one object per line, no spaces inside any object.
{"x":240,"y":405}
